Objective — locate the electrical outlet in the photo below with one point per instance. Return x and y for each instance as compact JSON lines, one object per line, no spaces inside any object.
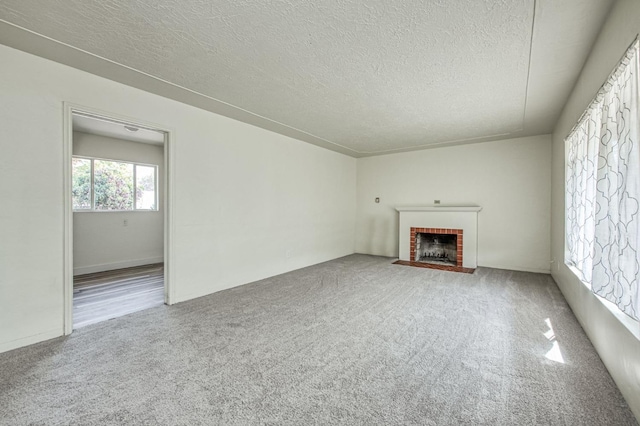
{"x":289,"y":254}
{"x":436,"y":201}
{"x":125,"y":222}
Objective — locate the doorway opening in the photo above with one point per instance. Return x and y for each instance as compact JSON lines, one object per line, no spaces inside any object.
{"x":117,"y":213}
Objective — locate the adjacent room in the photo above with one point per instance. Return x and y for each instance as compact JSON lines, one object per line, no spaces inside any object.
{"x":118,"y":219}
{"x":343,"y":212}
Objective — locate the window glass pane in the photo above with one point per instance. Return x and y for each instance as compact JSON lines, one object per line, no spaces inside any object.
{"x":146,"y":187}
{"x":81,"y":186}
{"x":113,"y":185}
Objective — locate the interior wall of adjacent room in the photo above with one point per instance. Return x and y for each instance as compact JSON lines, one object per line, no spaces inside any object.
{"x":101,"y":241}
{"x":616,"y":344}
{"x":237,"y":187}
{"x":510,"y":179}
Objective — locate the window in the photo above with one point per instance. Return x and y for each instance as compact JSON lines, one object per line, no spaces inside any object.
{"x":603,"y":190}
{"x":109,"y":185}
{"x":81,"y":170}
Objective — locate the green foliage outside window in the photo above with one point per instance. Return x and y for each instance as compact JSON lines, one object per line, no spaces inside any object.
{"x":81,"y":188}
{"x":113,"y":185}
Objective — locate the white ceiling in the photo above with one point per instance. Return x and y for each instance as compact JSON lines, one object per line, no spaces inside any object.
{"x":112,"y":129}
{"x":360,"y":77}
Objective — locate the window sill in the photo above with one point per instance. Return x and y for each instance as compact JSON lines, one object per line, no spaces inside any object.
{"x":116,"y":211}
{"x":632,"y":325}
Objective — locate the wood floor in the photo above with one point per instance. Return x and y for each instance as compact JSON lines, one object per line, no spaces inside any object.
{"x":105,"y":295}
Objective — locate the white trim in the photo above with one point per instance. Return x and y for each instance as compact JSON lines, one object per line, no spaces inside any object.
{"x":575,"y":271}
{"x":631,"y":324}
{"x":169,"y":179}
{"x":67,"y":276}
{"x":69,"y":109}
{"x":116,"y":265}
{"x":517,"y":268}
{"x":116,"y":211}
{"x":29,"y":340}
{"x":135,"y":163}
{"x":465,"y":208}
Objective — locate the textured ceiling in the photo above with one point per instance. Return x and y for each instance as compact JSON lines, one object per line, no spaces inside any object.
{"x":360,"y":77}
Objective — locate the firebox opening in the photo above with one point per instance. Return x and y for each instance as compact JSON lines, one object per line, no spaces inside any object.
{"x":436,"y":248}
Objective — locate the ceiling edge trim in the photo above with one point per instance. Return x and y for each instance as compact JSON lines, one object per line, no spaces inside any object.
{"x":526,"y":88}
{"x":479,"y":139}
{"x":28,"y":41}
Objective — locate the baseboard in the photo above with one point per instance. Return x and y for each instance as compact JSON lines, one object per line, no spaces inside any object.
{"x":30,"y":340}
{"x":519,"y":269}
{"x":506,"y":267}
{"x":81,"y":270}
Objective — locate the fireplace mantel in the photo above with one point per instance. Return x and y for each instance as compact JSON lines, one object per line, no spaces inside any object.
{"x":445,"y":218}
{"x":438,"y":208}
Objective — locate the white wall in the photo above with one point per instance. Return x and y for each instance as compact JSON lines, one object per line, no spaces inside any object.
{"x":101,"y":241}
{"x":235,"y":186}
{"x":619,"y":349}
{"x":510,"y":179}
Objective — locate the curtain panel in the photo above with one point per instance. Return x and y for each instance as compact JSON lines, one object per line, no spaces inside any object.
{"x":603,"y":189}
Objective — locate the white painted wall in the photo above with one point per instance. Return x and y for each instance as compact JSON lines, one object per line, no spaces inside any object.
{"x":509,"y":179}
{"x":619,"y":349}
{"x":235,"y":186}
{"x":101,"y":242}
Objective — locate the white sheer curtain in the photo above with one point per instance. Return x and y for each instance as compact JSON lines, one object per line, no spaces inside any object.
{"x":581,"y":192}
{"x":603,"y":189}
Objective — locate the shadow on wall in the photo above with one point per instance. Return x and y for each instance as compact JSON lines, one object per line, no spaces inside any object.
{"x":382,"y":235}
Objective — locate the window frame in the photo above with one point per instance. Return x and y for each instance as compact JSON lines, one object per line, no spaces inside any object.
{"x":135,"y":186}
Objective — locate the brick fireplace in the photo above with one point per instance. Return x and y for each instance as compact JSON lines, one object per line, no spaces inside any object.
{"x":436,"y":245}
{"x":449,"y":222}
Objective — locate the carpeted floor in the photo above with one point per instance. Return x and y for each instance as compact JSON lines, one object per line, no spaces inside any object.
{"x":353,"y":341}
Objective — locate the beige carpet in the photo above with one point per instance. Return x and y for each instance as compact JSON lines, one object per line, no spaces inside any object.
{"x":353,"y":341}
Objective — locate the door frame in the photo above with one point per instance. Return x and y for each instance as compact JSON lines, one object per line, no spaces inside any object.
{"x":70,"y":109}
